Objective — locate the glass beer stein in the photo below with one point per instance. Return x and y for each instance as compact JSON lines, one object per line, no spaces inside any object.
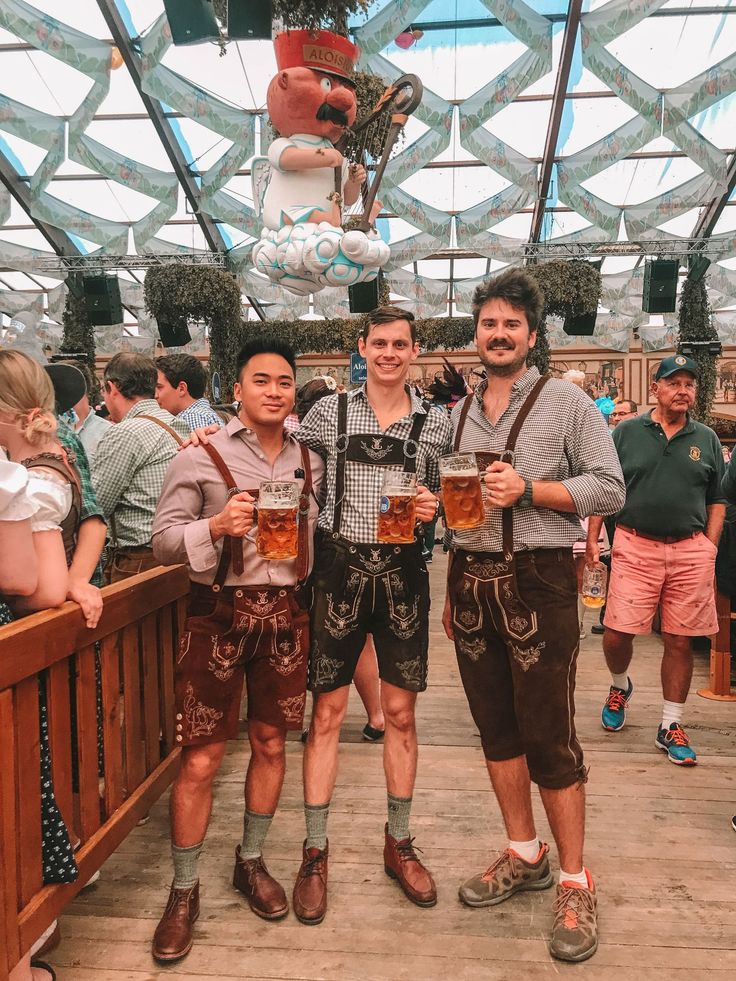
{"x":278,"y":508}
{"x":593,"y":590}
{"x":462,"y":496}
{"x":397,"y":514}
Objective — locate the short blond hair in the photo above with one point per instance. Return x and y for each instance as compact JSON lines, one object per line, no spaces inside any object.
{"x":26,"y":393}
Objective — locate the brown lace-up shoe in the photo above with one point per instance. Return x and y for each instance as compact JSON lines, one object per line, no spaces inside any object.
{"x":401,"y":863}
{"x":310,"y":888}
{"x":508,"y":875}
{"x":575,"y":931}
{"x":173,"y":937}
{"x":264,"y":894}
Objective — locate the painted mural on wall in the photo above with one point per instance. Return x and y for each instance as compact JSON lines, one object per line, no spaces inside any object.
{"x":300,"y":187}
{"x":603,"y":379}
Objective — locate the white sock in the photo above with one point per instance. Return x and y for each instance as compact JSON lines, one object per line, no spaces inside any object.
{"x":671,"y":712}
{"x":579,"y":877}
{"x":528,"y":850}
{"x":620,"y":681}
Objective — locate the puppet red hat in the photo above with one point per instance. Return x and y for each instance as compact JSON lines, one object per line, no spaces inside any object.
{"x":322,"y":50}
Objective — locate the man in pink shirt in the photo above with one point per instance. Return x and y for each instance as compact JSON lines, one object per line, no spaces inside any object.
{"x":247,"y":618}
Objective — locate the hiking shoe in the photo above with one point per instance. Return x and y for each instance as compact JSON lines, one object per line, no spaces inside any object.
{"x":676,"y":745}
{"x":575,"y":930}
{"x":509,"y":874}
{"x":613,"y":715}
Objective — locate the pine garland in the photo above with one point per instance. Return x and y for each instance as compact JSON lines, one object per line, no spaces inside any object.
{"x":78,"y":337}
{"x":696,"y":324}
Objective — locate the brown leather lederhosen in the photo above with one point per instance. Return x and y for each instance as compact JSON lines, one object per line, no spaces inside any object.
{"x":257,"y":632}
{"x":369,"y":587}
{"x":521,"y":622}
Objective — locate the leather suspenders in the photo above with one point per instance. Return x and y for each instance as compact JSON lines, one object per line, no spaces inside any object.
{"x":163,"y":425}
{"x":387,"y":451}
{"x":232,"y":548}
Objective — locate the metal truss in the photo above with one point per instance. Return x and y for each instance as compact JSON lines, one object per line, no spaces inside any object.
{"x":675,"y":248}
{"x":61,"y":265}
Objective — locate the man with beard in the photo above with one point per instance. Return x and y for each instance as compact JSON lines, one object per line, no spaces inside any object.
{"x":511,"y":603}
{"x":663,"y":556}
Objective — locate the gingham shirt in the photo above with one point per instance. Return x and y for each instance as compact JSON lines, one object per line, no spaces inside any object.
{"x":564,"y":438}
{"x":363,"y":482}
{"x":129,"y":470}
{"x":198,"y":415}
{"x":90,"y":507}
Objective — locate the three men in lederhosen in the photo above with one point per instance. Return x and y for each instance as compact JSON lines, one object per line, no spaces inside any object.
{"x":362,"y":585}
{"x":246,"y":617}
{"x":512,"y":594}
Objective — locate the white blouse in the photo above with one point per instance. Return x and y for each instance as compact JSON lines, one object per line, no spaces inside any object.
{"x":15,"y":504}
{"x":52,"y":496}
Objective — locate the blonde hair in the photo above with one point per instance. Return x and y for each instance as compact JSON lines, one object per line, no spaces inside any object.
{"x":26,"y":393}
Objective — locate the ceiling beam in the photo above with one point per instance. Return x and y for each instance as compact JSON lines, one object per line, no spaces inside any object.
{"x":555,"y":117}
{"x":59,"y":241}
{"x":708,"y":219}
{"x":213,"y":235}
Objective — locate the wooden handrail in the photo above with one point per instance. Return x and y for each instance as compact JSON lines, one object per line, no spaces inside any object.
{"x":719,"y":685}
{"x":128,"y":660}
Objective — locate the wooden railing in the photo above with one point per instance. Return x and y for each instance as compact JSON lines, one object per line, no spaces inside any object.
{"x":137,"y":637}
{"x":719,"y":682}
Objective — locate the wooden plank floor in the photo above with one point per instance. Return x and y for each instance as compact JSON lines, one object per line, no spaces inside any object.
{"x":659,"y":843}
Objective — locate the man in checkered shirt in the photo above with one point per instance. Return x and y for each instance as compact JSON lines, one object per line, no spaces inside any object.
{"x":511,"y":607}
{"x":363,"y":586}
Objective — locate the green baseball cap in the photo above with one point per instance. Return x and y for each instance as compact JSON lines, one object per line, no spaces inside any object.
{"x":678,"y":362}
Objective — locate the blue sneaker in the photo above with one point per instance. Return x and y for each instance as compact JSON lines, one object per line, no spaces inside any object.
{"x":676,"y":745}
{"x":613,"y":715}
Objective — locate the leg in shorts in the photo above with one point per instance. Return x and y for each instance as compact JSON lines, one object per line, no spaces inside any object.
{"x":259,"y":634}
{"x":521,"y":693}
{"x":677,"y":577}
{"x":360,"y":589}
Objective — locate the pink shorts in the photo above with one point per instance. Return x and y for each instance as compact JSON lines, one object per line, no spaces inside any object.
{"x":679,"y":578}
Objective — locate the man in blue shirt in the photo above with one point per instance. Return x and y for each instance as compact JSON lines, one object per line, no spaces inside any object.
{"x":180,"y":389}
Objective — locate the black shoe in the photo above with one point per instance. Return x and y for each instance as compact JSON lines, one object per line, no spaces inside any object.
{"x":372,"y":735}
{"x":597,"y":628}
{"x":733,"y":822}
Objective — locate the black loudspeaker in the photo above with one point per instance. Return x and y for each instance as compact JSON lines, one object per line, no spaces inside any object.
{"x":192,"y":21}
{"x":102,"y":300}
{"x":581,"y":325}
{"x":364,"y":296}
{"x":247,"y":19}
{"x":174,"y":334}
{"x":660,"y":286}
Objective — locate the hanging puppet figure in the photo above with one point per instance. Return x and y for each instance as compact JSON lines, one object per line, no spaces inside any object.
{"x":301,"y":186}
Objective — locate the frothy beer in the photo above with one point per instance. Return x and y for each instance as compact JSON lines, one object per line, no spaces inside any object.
{"x":463,"y":500}
{"x":397,"y":513}
{"x":461,"y":491}
{"x":278,"y":507}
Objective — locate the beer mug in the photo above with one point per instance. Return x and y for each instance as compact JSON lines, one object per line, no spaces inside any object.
{"x":278,"y":508}
{"x":397,"y":514}
{"x":593,"y":590}
{"x":462,"y":495}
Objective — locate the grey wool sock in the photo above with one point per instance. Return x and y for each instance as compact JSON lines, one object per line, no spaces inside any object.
{"x":316,"y":819}
{"x":399,"y":810}
{"x":185,"y":865}
{"x":255,"y":829}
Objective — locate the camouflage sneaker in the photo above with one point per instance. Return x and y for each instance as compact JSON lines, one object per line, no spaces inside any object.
{"x":575,"y":931}
{"x":509,"y":874}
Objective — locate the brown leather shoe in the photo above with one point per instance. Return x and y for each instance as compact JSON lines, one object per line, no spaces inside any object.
{"x":173,"y":937}
{"x":401,"y":863}
{"x":310,"y":888}
{"x":264,"y":894}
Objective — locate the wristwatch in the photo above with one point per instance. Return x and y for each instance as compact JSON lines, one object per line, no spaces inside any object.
{"x":525,"y":501}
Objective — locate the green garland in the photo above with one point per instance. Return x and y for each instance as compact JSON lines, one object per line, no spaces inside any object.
{"x":78,"y":337}
{"x":314,"y":14}
{"x":696,"y":324}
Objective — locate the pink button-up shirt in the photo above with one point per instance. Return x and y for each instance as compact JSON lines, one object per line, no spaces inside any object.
{"x":194,"y":490}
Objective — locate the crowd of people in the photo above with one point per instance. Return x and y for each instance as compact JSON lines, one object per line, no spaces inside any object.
{"x":169,"y":479}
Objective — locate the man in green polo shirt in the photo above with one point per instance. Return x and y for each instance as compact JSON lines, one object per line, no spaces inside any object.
{"x":664,"y":549}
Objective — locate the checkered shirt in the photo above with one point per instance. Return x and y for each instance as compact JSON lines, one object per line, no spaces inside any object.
{"x":565,"y":439}
{"x":363,"y":482}
{"x":129,"y":470}
{"x":198,"y":415}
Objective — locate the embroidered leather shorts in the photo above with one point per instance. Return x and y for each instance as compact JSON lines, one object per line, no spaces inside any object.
{"x":520,"y":691}
{"x":260,"y":634}
{"x":381,"y":590}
